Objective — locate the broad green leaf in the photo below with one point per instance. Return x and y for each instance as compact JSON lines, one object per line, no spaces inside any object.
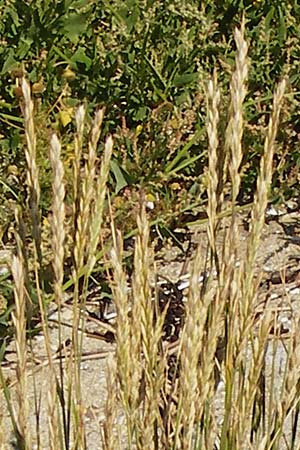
{"x":9,"y":63}
{"x":118,"y":174}
{"x":15,"y":18}
{"x":25,"y":44}
{"x":184,"y":79}
{"x":80,"y":57}
{"x":75,"y":25}
{"x":141,"y":113}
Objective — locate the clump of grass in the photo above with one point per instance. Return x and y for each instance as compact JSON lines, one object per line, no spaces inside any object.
{"x":222,"y":339}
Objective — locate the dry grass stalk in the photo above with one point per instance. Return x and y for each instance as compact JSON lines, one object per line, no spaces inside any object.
{"x":233,"y":144}
{"x":78,"y":143}
{"x":242,"y":295}
{"x":249,"y":404}
{"x":139,"y":367}
{"x":248,"y":286}
{"x":263,"y":184}
{"x":109,"y":441}
{"x":19,"y":320}
{"x":58,"y":242}
{"x":58,"y":216}
{"x":53,"y":421}
{"x":213,"y":94}
{"x":238,"y":92}
{"x":287,"y":403}
{"x":150,"y":329}
{"x":58,"y":227}
{"x":190,"y":348}
{"x":127,"y":356}
{"x":32,"y":172}
{"x":230,"y":276}
{"x":88,"y":194}
{"x":20,"y":237}
{"x":86,"y":242}
{"x":97,"y":213}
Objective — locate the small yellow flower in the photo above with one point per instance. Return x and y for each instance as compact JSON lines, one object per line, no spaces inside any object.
{"x":138,"y":130}
{"x":69,"y":74}
{"x":150,"y":201}
{"x":65,"y":116}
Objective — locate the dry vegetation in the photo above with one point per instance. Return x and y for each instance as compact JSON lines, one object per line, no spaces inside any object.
{"x":165,"y":406}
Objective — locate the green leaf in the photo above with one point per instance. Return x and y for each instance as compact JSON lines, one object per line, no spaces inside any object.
{"x":282,"y":27}
{"x":118,"y":174}
{"x":9,"y":63}
{"x":269,"y":18}
{"x":25,"y":44}
{"x":75,"y":25}
{"x":80,"y":57}
{"x":185,"y":163}
{"x":141,"y":113}
{"x":2,"y":350}
{"x":14,"y":16}
{"x":184,"y":79}
{"x":63,"y":55}
{"x":11,"y":117}
{"x":173,"y":165}
{"x":156,"y":73}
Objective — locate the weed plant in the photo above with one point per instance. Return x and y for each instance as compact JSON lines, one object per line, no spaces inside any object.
{"x":223,"y":341}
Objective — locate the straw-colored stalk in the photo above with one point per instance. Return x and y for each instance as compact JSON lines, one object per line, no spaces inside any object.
{"x":229,"y":294}
{"x":233,"y":145}
{"x":210,"y":362}
{"x":109,"y":441}
{"x":230,"y":276}
{"x":263,"y":185}
{"x":150,"y":329}
{"x":58,"y":241}
{"x":78,"y":142}
{"x":248,"y":389}
{"x":248,"y":285}
{"x":243,"y":292}
{"x":20,"y":237}
{"x":287,"y":404}
{"x":88,"y":194}
{"x":190,"y":349}
{"x":53,"y":422}
{"x":19,"y":320}
{"x":213,"y":95}
{"x":58,"y":216}
{"x":88,"y":203}
{"x":97,"y":213}
{"x":127,"y":357}
{"x":32,"y":172}
{"x":229,"y":281}
{"x":238,"y":92}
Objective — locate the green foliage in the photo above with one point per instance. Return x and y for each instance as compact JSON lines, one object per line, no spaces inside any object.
{"x":147,"y":61}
